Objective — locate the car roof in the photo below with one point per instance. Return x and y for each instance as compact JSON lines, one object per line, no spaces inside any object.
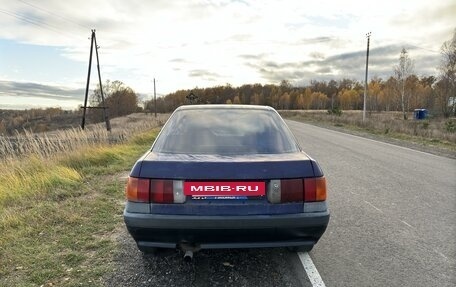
{"x":224,"y":106}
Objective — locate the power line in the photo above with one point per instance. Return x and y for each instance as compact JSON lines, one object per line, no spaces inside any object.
{"x":38,"y":23}
{"x":54,"y":14}
{"x":23,"y":18}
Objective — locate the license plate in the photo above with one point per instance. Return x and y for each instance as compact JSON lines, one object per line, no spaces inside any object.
{"x":225,"y":189}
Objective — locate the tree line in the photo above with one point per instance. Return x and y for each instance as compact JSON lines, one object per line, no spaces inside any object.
{"x":402,"y":91}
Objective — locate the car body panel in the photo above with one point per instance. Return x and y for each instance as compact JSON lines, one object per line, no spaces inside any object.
{"x":251,"y":167}
{"x":168,"y":231}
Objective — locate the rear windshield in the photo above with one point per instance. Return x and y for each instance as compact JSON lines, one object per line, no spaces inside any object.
{"x":225,"y":132}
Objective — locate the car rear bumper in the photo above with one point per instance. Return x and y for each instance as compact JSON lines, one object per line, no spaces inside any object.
{"x":211,"y":232}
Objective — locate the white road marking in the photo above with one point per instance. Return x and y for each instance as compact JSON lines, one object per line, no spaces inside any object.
{"x":311,"y":270}
{"x":406,"y":224}
{"x":378,"y":209}
{"x":441,"y":254}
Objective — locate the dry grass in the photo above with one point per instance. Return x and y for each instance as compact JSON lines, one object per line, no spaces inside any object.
{"x":36,"y":164}
{"x":386,"y":123}
{"x":46,"y":145}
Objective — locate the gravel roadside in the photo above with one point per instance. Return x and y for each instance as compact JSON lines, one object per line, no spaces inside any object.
{"x":239,"y":267}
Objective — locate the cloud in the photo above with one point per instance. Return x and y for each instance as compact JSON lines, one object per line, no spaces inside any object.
{"x":310,"y":41}
{"x":252,"y":56}
{"x":349,"y":65}
{"x":204,"y":74}
{"x":441,"y":11}
{"x":34,"y":93}
{"x":317,"y":55}
{"x":178,"y":60}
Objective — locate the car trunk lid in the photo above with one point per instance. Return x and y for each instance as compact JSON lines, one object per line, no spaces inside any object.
{"x":239,"y":167}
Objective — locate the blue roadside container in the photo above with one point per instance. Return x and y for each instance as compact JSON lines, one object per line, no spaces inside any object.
{"x":420,"y":114}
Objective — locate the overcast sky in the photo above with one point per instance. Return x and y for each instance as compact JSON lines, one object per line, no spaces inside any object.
{"x":44,"y":45}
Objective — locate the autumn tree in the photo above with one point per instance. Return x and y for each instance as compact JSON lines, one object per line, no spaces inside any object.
{"x":446,"y":86}
{"x":426,"y":96}
{"x":307,"y":99}
{"x":120,"y":99}
{"x":390,"y":92}
{"x":122,"y":102}
{"x":414,"y":87}
{"x":349,"y":99}
{"x":375,"y":93}
{"x":284,"y":101}
{"x":256,"y":99}
{"x":402,"y":71}
{"x":300,"y":101}
{"x":318,"y":100}
{"x":332,"y":91}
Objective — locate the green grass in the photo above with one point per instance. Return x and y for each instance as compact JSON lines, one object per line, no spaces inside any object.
{"x":58,"y":218}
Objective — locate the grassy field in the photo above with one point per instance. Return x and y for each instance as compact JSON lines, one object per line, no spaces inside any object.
{"x":59,"y":211}
{"x":438,"y":133}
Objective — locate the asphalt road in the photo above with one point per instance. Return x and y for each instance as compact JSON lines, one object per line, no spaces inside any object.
{"x":393,"y":216}
{"x":393,"y":212}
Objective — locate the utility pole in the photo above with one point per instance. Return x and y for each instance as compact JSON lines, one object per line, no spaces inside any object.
{"x":88,"y":81}
{"x":93,"y":41}
{"x":105,"y":112}
{"x":365,"y":79}
{"x":155,"y":99}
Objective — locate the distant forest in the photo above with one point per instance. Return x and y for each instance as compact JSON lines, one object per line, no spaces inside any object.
{"x":346,"y":94}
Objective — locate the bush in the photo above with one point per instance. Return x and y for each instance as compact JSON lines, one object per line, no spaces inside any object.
{"x":450,"y":126}
{"x":335,"y":111}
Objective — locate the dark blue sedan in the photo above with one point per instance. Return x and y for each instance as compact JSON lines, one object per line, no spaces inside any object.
{"x":226,"y":176}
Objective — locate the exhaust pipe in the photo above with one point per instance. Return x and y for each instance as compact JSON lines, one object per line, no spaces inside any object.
{"x":188,"y":256}
{"x":188,"y":249}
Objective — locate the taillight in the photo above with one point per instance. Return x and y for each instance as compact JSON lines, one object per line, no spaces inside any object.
{"x":291,"y":190}
{"x":315,"y":189}
{"x":155,"y":190}
{"x":161,"y":191}
{"x":297,"y":190}
{"x":138,"y":189}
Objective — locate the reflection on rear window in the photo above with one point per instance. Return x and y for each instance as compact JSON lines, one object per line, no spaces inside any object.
{"x":225,"y":132}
